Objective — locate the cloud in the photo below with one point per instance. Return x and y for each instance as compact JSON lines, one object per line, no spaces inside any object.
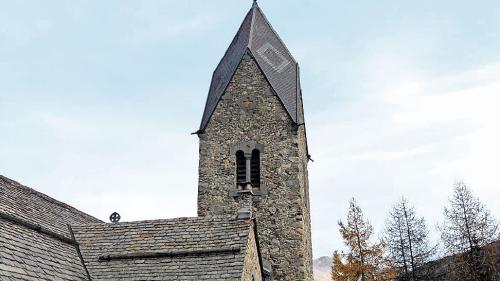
{"x":409,"y":134}
{"x":383,"y":120}
{"x":147,"y":180}
{"x":101,"y":164}
{"x":19,"y":31}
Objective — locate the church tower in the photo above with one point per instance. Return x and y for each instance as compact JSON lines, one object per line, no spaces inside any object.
{"x":253,"y":147}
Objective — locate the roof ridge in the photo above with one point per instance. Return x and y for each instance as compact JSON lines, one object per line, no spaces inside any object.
{"x":214,"y":218}
{"x":220,"y":64}
{"x":250,"y":36}
{"x":276,"y":33}
{"x":234,"y":39}
{"x":13,"y":183}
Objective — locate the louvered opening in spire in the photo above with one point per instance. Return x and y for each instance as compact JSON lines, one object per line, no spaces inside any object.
{"x":241,"y":170}
{"x":255,"y":169}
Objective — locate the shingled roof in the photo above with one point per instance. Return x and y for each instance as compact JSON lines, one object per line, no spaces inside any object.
{"x":44,"y":239}
{"x":35,"y":241}
{"x":30,"y":205}
{"x":257,"y":38}
{"x":176,"y":249}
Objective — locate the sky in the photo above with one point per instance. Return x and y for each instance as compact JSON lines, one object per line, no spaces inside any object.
{"x":98,"y":100}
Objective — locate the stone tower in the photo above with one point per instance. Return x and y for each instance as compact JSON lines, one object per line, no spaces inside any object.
{"x":253,"y":147}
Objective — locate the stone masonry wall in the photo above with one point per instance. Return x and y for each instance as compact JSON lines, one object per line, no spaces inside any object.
{"x":252,"y":265}
{"x":283,"y":214}
{"x":304,"y":182}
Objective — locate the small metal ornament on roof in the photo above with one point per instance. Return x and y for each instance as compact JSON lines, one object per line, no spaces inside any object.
{"x":115,"y":217}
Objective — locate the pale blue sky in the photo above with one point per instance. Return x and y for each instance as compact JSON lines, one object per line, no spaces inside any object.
{"x":97,"y":100}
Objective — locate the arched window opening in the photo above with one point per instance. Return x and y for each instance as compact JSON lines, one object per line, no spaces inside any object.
{"x":255,"y":169}
{"x":248,"y":165}
{"x":240,"y":168}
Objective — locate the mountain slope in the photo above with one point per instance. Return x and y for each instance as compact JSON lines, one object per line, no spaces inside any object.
{"x":322,"y":269}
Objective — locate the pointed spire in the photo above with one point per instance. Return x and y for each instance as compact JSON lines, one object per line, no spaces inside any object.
{"x":257,"y":37}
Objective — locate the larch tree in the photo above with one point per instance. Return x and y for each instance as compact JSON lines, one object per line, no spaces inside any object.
{"x":363,"y":260}
{"x":468,"y":228}
{"x":406,"y":236}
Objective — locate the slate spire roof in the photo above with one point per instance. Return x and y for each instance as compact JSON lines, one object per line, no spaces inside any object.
{"x":257,"y":38}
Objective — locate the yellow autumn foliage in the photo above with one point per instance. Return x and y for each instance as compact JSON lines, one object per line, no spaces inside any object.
{"x":363,"y":260}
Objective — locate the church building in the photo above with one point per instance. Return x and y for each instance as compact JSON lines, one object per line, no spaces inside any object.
{"x":253,"y":219}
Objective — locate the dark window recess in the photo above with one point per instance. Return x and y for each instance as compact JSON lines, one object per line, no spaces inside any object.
{"x":240,"y":168}
{"x":255,"y":168}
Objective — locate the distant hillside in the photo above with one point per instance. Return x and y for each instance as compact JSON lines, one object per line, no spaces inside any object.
{"x":322,"y":269}
{"x":438,"y":270}
{"x":444,"y":268}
